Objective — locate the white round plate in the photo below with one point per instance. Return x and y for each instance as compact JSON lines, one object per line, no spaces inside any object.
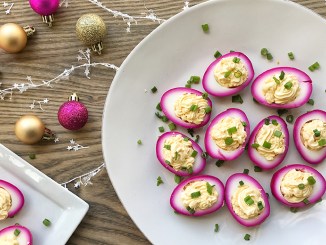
{"x":167,"y":58}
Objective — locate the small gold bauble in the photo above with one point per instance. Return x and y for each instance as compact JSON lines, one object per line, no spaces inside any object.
{"x":13,"y":38}
{"x":29,"y":129}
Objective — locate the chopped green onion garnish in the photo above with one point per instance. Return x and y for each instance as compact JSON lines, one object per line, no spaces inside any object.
{"x":191,"y":132}
{"x":290,"y":118}
{"x":172,"y":126}
{"x":264,"y":51}
{"x":267,"y":145}
{"x":208,"y":110}
{"x":322,"y":142}
{"x":257,"y":169}
{"x":217,"y":54}
{"x":248,"y":200}
{"x":269,"y":56}
{"x":16,"y":232}
{"x":291,"y":55}
{"x":219,"y":163}
{"x":260,"y":205}
{"x":311,"y":102}
{"x":188,"y":85}
{"x":227,"y":74}
{"x":161,"y":129}
{"x":194,"y":79}
{"x":159,"y":181}
{"x":255,"y":145}
{"x":176,"y":154}
{"x":244,"y":124}
{"x":164,"y":119}
{"x":158,"y":107}
{"x":190,"y":210}
{"x":281,"y":77}
{"x":228,"y":141}
{"x":288,"y":85}
{"x":316,"y":132}
{"x":294,"y":210}
{"x":267,"y":195}
{"x":194,"y":154}
{"x":301,"y":186}
{"x":236,"y":60}
{"x":267,"y":121}
{"x":204,"y":155}
{"x":154,"y":90}
{"x":241,"y":183}
{"x":177,"y":179}
{"x":46,"y":222}
{"x":139,"y":142}
{"x":195,"y":194}
{"x":237,"y":74}
{"x":190,"y":170}
{"x":306,"y":201}
{"x":246,"y":171}
{"x":216,"y":228}
{"x":247,"y":237}
{"x":31,"y":155}
{"x":311,"y":180}
{"x":276,"y":80}
{"x":278,"y":134}
{"x":280,"y":112}
{"x":205,"y":27}
{"x":186,"y":139}
{"x":231,"y":51}
{"x":168,"y":147}
{"x":209,"y":188}
{"x":205,"y":95}
{"x":237,"y":99}
{"x":158,"y":115}
{"x":320,"y":200}
{"x":197,"y":138}
{"x":314,"y":66}
{"x":167,"y":162}
{"x":193,"y":107}
{"x":232,"y":130}
{"x":274,"y":122}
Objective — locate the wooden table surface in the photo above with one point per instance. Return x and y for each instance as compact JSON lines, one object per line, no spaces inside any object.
{"x":49,"y":53}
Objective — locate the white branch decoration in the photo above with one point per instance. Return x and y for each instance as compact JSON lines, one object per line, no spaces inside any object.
{"x":8,"y":6}
{"x":75,"y":146}
{"x":40,"y":103}
{"x":186,"y":5}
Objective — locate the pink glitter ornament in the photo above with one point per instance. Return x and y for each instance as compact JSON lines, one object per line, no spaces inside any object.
{"x":73,"y":115}
{"x":45,"y":8}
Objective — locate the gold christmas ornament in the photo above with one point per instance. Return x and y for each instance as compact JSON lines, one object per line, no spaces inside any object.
{"x":13,"y":37}
{"x":91,"y":30}
{"x":30,"y":129}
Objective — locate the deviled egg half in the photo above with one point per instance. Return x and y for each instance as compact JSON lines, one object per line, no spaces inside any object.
{"x":186,"y":107}
{"x":16,"y":235}
{"x":246,"y":200}
{"x":227,"y":135}
{"x":197,"y":196}
{"x":11,"y":200}
{"x":282,"y":87}
{"x":179,"y":154}
{"x":310,"y":136}
{"x":269,"y":142}
{"x":297,"y":185}
{"x":228,"y":75}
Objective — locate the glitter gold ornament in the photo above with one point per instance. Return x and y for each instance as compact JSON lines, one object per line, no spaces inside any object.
{"x":91,"y":30}
{"x":30,"y":129}
{"x":13,"y":37}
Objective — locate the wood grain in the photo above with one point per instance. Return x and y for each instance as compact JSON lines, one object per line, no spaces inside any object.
{"x":48,"y":53}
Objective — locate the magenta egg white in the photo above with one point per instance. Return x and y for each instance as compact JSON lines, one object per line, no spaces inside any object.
{"x":231,"y":186}
{"x":176,"y":202}
{"x":212,"y":87}
{"x":258,"y":159}
{"x":167,"y":104}
{"x":24,"y":237}
{"x":17,"y":197}
{"x":318,"y":190}
{"x":200,"y":162}
{"x":313,"y":157}
{"x":303,"y":78}
{"x":216,"y":152}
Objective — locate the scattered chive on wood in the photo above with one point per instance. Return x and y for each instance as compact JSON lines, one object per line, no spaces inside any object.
{"x":159,"y":181}
{"x":247,"y":237}
{"x":219,"y":163}
{"x":16,"y":232}
{"x":246,"y":171}
{"x":291,"y":55}
{"x":290,"y":118}
{"x":154,"y":90}
{"x":237,"y":99}
{"x":46,"y":222}
{"x":172,"y":126}
{"x":195,"y":194}
{"x":217,"y":54}
{"x":205,"y":27}
{"x":257,"y":169}
{"x":139,"y":142}
{"x":216,"y":229}
{"x":32,"y":156}
{"x":177,"y":179}
{"x":161,"y":129}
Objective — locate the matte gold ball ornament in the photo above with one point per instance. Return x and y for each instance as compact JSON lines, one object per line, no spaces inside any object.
{"x":13,"y":37}
{"x":30,"y":129}
{"x":91,"y":30}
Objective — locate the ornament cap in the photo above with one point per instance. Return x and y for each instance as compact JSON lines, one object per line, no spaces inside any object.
{"x":73,"y":97}
{"x":48,"y":19}
{"x":29,"y":30}
{"x":48,"y":135}
{"x":98,"y":48}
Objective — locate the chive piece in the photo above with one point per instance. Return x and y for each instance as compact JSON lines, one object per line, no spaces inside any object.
{"x":278,"y":134}
{"x":291,"y":56}
{"x":158,"y":107}
{"x":306,"y":201}
{"x":257,"y":169}
{"x":167,"y":162}
{"x":164,"y":119}
{"x":311,"y":102}
{"x":139,"y":142}
{"x":294,"y":210}
{"x":314,"y":66}
{"x":301,"y":186}
{"x":276,"y":80}
{"x":46,"y":222}
{"x":197,"y":138}
{"x":231,"y":51}
{"x":186,"y":139}
{"x":177,"y":179}
{"x":320,"y":200}
{"x":216,"y":228}
{"x":255,"y":145}
{"x":16,"y":232}
{"x":264,"y":51}
{"x":208,"y":109}
{"x":241,"y":183}
{"x":267,"y":121}
{"x":158,"y":115}
{"x":280,"y":112}
{"x":267,"y":145}
{"x":236,"y":60}
{"x":172,"y":126}
{"x":217,"y":54}
{"x":31,"y":156}
{"x":246,"y":171}
{"x":188,"y":85}
{"x":311,"y":180}
{"x":281,"y":77}
{"x":159,"y":181}
{"x":237,"y":99}
{"x":190,"y":210}
{"x":194,"y":79}
{"x":322,"y":142}
{"x":288,"y":85}
{"x":219,"y":163}
{"x":260,"y":205}
{"x":161,"y":129}
{"x":195,"y":194}
{"x":204,"y":155}
{"x":168,"y":147}
{"x":227,"y":74}
{"x":191,"y":132}
{"x":209,"y":188}
{"x":267,"y":195}
{"x":190,"y":170}
{"x":205,"y":95}
{"x":269,"y":56}
{"x":247,"y":237}
{"x":228,"y":141}
{"x":248,"y":200}
{"x":176,"y":154}
{"x":244,"y":124}
{"x":194,"y":154}
{"x":316,"y":132}
{"x":205,"y":27}
{"x":232,"y":130}
{"x":274,"y":122}
{"x":193,"y":107}
{"x":154,"y":90}
{"x":290,"y":118}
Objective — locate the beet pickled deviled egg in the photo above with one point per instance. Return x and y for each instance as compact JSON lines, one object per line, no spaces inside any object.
{"x":310,"y":136}
{"x":269,"y":143}
{"x":246,"y":200}
{"x":11,"y":200}
{"x":186,"y":107}
{"x":16,"y":235}
{"x":227,"y":135}
{"x":228,"y":75}
{"x":198,"y":196}
{"x":179,"y":154}
{"x":297,"y":185}
{"x":282,"y":87}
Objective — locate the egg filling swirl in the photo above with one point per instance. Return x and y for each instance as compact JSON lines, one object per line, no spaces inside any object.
{"x":5,"y":203}
{"x":313,"y":134}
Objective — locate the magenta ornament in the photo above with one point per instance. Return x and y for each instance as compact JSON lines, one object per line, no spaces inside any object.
{"x":73,"y":115}
{"x":45,"y":8}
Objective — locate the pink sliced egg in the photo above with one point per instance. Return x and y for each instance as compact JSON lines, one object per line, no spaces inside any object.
{"x":253,"y":153}
{"x":212,"y":87}
{"x":17,"y":197}
{"x":303,"y":96}
{"x":231,"y":186}
{"x":199,"y":164}
{"x":213,"y":149}
{"x":177,"y":194}
{"x":169,"y":99}
{"x":311,"y":156}
{"x":318,"y":188}
{"x":16,"y":232}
